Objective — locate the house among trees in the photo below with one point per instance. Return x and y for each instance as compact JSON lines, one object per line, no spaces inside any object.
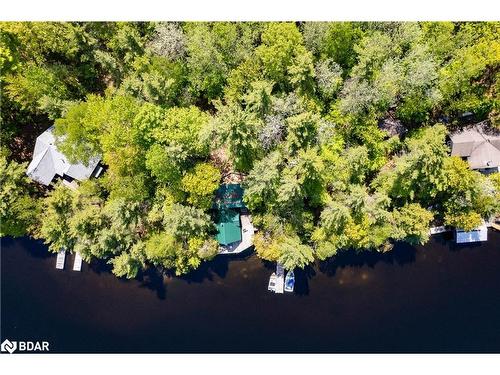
{"x":234,"y":227}
{"x":480,"y":146}
{"x":48,"y":163}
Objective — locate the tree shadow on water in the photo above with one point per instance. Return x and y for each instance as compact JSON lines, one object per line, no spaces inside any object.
{"x":302,"y":277}
{"x":100,"y":266}
{"x":35,"y":248}
{"x":218,"y":266}
{"x":401,"y":254}
{"x":152,"y":278}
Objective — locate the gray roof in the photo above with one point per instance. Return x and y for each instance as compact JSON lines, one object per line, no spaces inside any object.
{"x":48,"y":162}
{"x":479,"y":144}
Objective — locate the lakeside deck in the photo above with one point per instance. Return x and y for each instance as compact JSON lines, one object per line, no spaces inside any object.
{"x":247,"y":233}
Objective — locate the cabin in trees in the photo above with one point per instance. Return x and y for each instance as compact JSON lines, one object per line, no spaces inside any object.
{"x":48,"y":163}
{"x":480,"y":146}
{"x":234,"y":227}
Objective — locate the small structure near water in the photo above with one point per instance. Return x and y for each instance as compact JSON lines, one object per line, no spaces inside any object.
{"x":61,"y":257}
{"x":234,"y":226}
{"x":439,"y":229}
{"x":478,"y":234}
{"x":77,"y":265}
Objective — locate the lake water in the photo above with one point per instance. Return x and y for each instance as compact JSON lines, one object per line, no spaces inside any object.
{"x":437,"y":298}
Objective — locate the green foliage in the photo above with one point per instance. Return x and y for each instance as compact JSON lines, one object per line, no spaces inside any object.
{"x":418,"y":174}
{"x":466,"y":202}
{"x":18,"y":211}
{"x":35,"y":83}
{"x":338,"y":42}
{"x":156,"y":80}
{"x":412,"y":223}
{"x":213,"y":50}
{"x":262,"y":182}
{"x":468,"y":80}
{"x":200,"y":185}
{"x":236,"y":130}
{"x":294,"y":254}
{"x":182,"y":127}
{"x":283,"y":56}
{"x":294,"y":110}
{"x":302,"y":131}
{"x":125,"y":266}
{"x":53,"y":226}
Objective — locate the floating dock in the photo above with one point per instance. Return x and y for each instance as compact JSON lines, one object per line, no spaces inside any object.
{"x":77,"y":266}
{"x":280,"y":279}
{"x":478,"y":234}
{"x":440,"y":229}
{"x":61,"y":257}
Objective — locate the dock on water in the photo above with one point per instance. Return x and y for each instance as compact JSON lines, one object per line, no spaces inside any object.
{"x":439,"y":229}
{"x":77,"y":265}
{"x":61,"y":257}
{"x":280,"y":279}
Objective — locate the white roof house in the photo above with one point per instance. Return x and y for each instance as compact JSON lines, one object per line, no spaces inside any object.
{"x":479,"y":145}
{"x":48,"y":162}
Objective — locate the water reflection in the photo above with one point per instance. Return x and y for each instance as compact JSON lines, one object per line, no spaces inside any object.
{"x":438,"y":297}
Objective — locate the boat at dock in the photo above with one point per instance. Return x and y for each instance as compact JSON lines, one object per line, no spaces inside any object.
{"x":272,"y":283}
{"x":289,"y":281}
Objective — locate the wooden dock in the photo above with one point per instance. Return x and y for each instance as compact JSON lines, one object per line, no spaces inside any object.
{"x":77,"y":265}
{"x":61,"y":257}
{"x":280,"y":279}
{"x":440,"y":229}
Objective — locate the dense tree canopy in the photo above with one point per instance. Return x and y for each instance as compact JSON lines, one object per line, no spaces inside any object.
{"x":296,"y":111}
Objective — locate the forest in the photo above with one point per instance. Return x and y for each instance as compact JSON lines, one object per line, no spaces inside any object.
{"x":337,"y":131}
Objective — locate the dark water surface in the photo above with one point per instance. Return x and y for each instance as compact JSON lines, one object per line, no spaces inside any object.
{"x":437,"y":298}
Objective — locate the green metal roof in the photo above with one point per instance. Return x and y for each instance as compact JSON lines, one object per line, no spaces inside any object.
{"x":228,"y":227}
{"x":229,"y":196}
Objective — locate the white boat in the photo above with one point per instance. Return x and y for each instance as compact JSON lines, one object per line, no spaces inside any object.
{"x":272,"y":283}
{"x":289,"y":281}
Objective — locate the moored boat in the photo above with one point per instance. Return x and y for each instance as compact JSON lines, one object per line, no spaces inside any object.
{"x":272,"y":283}
{"x":289,"y":281}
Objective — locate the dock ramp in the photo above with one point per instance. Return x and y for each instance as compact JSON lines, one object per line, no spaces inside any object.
{"x":61,"y":257}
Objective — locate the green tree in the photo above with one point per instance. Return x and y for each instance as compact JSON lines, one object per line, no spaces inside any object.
{"x":293,"y":253}
{"x":53,"y":227}
{"x":412,"y":224}
{"x":236,"y":130}
{"x":18,"y":211}
{"x":262,"y":182}
{"x":418,"y":174}
{"x":183,"y":127}
{"x":213,"y":50}
{"x":200,"y":185}
{"x":124,"y":265}
{"x":283,"y":56}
